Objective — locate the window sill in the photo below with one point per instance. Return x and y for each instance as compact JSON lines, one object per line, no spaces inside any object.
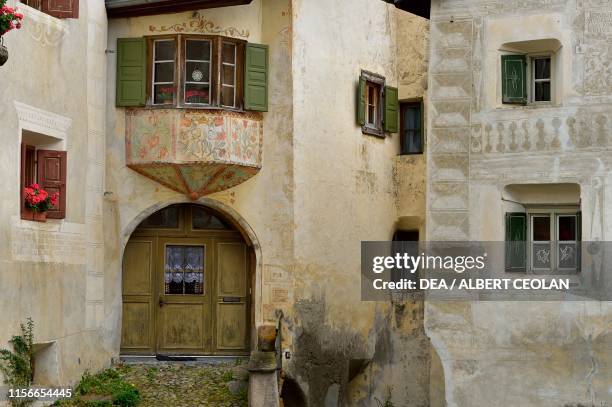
{"x":409,"y":154}
{"x":527,"y":106}
{"x":372,"y":132}
{"x":203,"y":108}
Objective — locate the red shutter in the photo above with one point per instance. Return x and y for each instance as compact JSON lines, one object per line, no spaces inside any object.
{"x":61,"y":8}
{"x":52,"y":177}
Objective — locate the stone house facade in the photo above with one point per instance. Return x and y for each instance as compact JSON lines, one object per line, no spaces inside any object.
{"x":519,"y":123}
{"x":220,"y":171}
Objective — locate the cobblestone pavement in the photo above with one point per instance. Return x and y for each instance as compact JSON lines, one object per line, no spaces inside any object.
{"x":185,"y":385}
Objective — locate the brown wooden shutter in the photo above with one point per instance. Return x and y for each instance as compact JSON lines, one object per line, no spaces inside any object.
{"x":61,"y":8}
{"x":52,"y":177}
{"x":22,"y":176}
{"x":28,"y":170}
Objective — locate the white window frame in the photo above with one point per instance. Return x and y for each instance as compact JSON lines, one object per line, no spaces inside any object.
{"x":173,"y":61}
{"x":554,"y":214}
{"x":234,"y":65}
{"x":209,"y":62}
{"x":532,"y":79}
{"x":374,"y":104}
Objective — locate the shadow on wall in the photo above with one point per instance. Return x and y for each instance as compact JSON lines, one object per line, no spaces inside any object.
{"x":436,"y":381}
{"x":291,"y":394}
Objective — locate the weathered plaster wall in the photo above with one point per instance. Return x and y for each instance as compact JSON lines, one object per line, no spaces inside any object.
{"x":263,"y":204}
{"x":554,"y":353}
{"x":411,"y":170}
{"x":349,"y":352}
{"x":53,"y":272}
{"x":323,"y":187}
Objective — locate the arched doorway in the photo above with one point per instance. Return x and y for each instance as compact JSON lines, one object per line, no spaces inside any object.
{"x":186,"y":285}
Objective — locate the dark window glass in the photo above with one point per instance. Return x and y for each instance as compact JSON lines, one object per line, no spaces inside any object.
{"x":567,"y":228}
{"x":542,"y":91}
{"x":372,"y":104}
{"x":411,"y":128}
{"x":167,"y":218}
{"x":197,"y":72}
{"x":228,"y":75}
{"x":542,"y":80}
{"x":202,"y":219}
{"x":405,"y":241}
{"x":198,"y":50}
{"x":542,"y":68}
{"x":541,"y":228}
{"x":164,"y":50}
{"x":163,"y":72}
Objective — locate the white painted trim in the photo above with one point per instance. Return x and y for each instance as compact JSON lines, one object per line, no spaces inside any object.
{"x":43,"y":122}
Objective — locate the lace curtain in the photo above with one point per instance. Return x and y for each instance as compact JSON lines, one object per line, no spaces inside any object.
{"x":184,"y":271}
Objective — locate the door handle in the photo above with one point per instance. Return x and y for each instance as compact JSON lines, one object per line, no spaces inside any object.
{"x":161,"y":302}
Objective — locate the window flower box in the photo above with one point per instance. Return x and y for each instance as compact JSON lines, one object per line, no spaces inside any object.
{"x":37,"y":203}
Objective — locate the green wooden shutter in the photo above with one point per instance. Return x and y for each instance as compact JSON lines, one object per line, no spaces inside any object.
{"x":131,"y":72}
{"x":361,"y":90}
{"x":256,"y":78}
{"x":391,"y":110}
{"x":514,"y":79}
{"x":516,"y":241}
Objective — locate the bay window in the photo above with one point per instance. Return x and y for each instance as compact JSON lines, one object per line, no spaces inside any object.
{"x":192,"y":71}
{"x":196,"y":71}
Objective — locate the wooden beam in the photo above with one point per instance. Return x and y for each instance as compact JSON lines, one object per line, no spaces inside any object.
{"x":168,"y":7}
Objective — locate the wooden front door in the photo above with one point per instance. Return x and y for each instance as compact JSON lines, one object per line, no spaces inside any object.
{"x":186,"y":286}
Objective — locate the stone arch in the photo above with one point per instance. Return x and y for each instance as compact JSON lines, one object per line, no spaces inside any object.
{"x":229,"y":214}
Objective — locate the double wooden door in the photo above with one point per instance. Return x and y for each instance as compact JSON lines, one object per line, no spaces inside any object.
{"x":185,"y":295}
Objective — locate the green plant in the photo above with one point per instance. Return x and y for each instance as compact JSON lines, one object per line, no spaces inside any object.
{"x":108,"y":383}
{"x":151,"y":374}
{"x":127,"y":397}
{"x":17,"y":365}
{"x":387,"y":402}
{"x":227,"y":376}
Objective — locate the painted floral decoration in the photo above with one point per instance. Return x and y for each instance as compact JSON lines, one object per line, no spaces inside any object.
{"x":39,"y":200}
{"x":9,"y":18}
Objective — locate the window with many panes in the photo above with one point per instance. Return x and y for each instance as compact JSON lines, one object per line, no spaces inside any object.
{"x":411,"y":127}
{"x":527,"y":78}
{"x":541,"y":69}
{"x":192,"y":71}
{"x":543,"y":240}
{"x":377,"y":105}
{"x":196,"y":71}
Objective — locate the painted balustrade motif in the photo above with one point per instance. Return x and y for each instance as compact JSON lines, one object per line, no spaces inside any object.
{"x":577,"y":132}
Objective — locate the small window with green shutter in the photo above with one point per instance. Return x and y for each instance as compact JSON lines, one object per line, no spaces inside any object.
{"x":516,"y":241}
{"x":514,"y":76}
{"x":371,"y":109}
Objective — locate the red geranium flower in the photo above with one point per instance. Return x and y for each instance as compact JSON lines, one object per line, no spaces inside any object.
{"x":37,"y":199}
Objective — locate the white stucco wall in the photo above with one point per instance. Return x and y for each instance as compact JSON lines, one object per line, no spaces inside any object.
{"x":53,"y":272}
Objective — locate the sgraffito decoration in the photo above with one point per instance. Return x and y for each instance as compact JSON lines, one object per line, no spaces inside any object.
{"x":199,"y":24}
{"x":195,"y":152}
